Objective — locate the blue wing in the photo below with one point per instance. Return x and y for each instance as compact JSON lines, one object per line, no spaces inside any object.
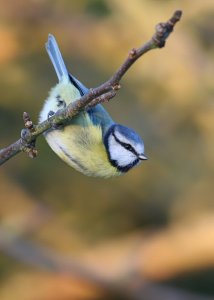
{"x":97,"y":114}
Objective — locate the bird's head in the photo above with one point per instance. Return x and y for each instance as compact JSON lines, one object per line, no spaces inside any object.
{"x":124,"y":147}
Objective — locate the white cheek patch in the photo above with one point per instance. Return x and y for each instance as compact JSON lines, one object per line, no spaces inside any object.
{"x":122,"y":156}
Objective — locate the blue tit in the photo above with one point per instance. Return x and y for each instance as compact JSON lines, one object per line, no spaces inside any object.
{"x":91,"y":142}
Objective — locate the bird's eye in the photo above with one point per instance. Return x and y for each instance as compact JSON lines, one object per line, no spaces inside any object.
{"x":128,"y":147}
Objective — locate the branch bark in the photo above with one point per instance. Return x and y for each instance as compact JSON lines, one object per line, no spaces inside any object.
{"x":100,"y":94}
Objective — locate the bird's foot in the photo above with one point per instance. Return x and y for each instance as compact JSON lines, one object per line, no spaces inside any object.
{"x":54,"y":125}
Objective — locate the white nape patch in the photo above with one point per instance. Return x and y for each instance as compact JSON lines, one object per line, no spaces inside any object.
{"x":122,"y":156}
{"x":139,"y":147}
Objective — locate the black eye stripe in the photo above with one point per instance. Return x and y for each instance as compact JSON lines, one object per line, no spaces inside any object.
{"x":125,"y":145}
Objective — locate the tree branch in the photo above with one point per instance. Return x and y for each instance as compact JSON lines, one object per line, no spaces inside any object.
{"x":100,"y":94}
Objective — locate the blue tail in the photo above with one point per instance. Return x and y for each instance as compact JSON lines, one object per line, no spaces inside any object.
{"x":59,"y":65}
{"x":56,"y":57}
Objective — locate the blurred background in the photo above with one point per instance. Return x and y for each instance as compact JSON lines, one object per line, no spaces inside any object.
{"x":148,"y":234}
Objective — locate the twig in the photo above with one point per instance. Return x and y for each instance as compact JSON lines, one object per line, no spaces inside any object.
{"x":102,"y":99}
{"x":97,"y":95}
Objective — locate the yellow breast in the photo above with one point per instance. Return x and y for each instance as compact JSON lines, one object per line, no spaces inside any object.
{"x":82,"y":148}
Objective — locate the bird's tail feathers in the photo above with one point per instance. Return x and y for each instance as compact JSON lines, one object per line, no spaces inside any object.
{"x":59,"y":65}
{"x":56,"y":58}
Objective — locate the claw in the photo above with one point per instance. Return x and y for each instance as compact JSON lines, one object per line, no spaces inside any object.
{"x":54,"y":126}
{"x":50,"y":114}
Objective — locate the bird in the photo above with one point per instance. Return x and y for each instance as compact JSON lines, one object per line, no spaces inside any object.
{"x":91,"y":142}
